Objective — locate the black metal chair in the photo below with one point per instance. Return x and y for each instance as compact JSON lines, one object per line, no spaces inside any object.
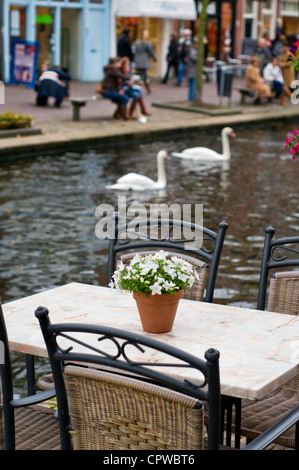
{"x":111,"y":396}
{"x":138,"y":405}
{"x":25,"y":424}
{"x":278,"y":254}
{"x":279,"y":294}
{"x":202,"y":249}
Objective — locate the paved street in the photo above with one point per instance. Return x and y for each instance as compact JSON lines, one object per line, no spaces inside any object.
{"x":96,"y":124}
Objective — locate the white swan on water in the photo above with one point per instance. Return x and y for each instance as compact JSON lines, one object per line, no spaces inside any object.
{"x":204,"y":153}
{"x":136,"y":182}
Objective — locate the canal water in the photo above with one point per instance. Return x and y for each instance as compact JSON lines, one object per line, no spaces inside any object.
{"x":48,"y":203}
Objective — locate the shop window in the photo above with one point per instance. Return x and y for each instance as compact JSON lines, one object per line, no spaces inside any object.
{"x":248,"y":28}
{"x":290,"y":6}
{"x":17,"y":22}
{"x":268,"y":5}
{"x":96,"y":1}
{"x":249,"y":6}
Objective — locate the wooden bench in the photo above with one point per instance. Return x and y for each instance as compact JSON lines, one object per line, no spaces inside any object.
{"x":246,"y":93}
{"x":78,"y":103}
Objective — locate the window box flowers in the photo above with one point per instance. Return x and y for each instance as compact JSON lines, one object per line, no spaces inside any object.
{"x":292,"y":144}
{"x":10,"y":120}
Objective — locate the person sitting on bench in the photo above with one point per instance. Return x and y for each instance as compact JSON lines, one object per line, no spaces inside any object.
{"x":273,"y":76}
{"x":132,"y":90}
{"x":54,"y":83}
{"x":111,"y":87}
{"x":255,"y":80}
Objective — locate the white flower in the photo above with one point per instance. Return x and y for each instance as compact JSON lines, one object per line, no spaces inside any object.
{"x":168,"y":285}
{"x":156,"y":289}
{"x":160,"y":255}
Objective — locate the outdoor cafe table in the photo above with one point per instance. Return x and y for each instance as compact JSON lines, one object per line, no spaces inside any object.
{"x":258,"y":350}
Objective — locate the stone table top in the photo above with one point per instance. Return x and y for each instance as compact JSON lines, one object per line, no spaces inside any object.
{"x":258,"y":350}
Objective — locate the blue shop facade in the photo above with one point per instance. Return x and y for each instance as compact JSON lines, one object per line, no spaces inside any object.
{"x":74,"y":34}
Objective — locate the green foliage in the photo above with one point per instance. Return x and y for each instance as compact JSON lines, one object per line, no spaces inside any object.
{"x":154,"y":274}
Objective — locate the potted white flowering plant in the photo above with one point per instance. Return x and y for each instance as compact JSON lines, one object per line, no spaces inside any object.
{"x":157,"y":282}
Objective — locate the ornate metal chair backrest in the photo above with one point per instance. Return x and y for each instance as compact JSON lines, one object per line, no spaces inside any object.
{"x":131,"y":404}
{"x":199,"y":245}
{"x":283,"y":287}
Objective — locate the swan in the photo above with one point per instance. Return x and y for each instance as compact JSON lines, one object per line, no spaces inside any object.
{"x":204,"y":153}
{"x":136,"y":182}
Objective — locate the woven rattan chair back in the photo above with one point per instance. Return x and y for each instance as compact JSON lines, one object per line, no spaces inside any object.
{"x":204,"y":250}
{"x":284,"y":293}
{"x":141,"y":402}
{"x":114,"y":412}
{"x":196,"y":292}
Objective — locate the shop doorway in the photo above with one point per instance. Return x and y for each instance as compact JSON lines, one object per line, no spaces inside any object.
{"x":70,"y":52}
{"x":45,"y":35}
{"x":60,"y":47}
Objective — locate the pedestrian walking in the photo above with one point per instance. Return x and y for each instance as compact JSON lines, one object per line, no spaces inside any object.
{"x":144,"y":51}
{"x":124,"y":45}
{"x":191,"y":56}
{"x":172,"y":57}
{"x":184,"y":41}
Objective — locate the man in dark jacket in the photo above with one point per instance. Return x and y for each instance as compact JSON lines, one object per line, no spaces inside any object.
{"x":124,"y":45}
{"x":172,"y":57}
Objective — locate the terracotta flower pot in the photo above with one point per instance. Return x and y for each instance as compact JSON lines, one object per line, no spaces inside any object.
{"x":157,"y":312}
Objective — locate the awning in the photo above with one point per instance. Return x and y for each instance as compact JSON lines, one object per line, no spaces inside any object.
{"x":173,"y":9}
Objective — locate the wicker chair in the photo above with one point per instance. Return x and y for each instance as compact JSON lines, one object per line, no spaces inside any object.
{"x":126,"y":404}
{"x":118,"y":399}
{"x":205,"y":259}
{"x":24,"y":423}
{"x":283,"y":297}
